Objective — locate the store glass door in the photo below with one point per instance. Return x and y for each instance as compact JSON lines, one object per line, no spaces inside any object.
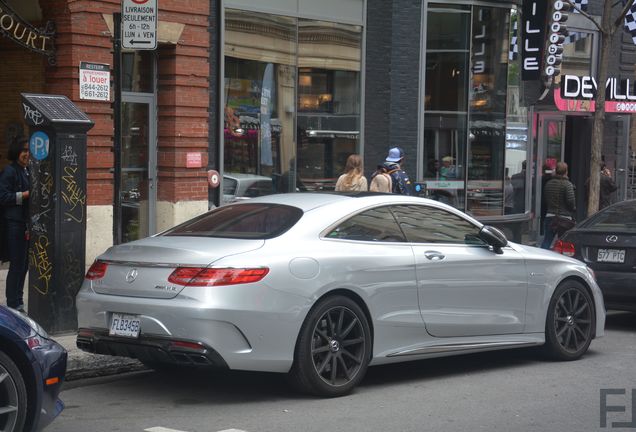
{"x":138,"y":167}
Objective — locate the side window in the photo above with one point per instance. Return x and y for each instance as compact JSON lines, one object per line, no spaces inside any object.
{"x":424,"y":224}
{"x":377,"y":225}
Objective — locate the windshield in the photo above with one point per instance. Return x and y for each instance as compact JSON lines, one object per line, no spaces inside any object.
{"x":619,"y":218}
{"x":241,"y":221}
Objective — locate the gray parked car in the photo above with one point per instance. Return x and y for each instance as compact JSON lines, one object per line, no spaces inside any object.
{"x":322,"y":285}
{"x":238,"y":186}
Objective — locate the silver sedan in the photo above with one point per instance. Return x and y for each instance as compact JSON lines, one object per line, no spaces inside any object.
{"x":322,"y":285}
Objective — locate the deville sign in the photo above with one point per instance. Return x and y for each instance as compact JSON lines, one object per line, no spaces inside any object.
{"x":534,"y":15}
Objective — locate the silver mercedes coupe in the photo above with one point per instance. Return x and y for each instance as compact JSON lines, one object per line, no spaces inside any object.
{"x":322,"y":285}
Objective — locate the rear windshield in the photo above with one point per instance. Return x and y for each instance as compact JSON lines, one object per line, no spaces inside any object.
{"x":243,"y":221}
{"x":618,"y":218}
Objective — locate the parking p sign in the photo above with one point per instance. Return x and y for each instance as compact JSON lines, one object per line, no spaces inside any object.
{"x":39,"y":145}
{"x":139,"y":24}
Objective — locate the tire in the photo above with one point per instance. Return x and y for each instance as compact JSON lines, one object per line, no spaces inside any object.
{"x":570,"y":322}
{"x":13,"y":396}
{"x":333,"y":348}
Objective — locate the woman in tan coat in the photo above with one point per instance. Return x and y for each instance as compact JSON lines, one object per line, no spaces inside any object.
{"x":352,"y":179}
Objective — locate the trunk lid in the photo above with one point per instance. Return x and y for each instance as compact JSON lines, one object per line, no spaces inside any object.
{"x":142,"y":268}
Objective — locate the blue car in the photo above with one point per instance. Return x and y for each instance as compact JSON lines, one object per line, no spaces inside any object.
{"x":32,"y":368}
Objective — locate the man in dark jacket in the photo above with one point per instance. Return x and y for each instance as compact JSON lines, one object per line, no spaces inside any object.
{"x":400,"y":179}
{"x":15,"y":187}
{"x":559,"y":200}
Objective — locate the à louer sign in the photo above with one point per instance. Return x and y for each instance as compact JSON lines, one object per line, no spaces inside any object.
{"x":577,"y":94}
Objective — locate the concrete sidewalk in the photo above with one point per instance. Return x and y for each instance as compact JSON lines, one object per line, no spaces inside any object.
{"x":80,"y":363}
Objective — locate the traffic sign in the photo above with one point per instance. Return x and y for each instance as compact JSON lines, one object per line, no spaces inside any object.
{"x":139,"y":24}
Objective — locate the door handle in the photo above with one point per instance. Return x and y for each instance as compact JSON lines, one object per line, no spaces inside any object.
{"x":434,"y":255}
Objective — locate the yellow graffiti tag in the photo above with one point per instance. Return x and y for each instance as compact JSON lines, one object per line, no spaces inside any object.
{"x":73,"y":195}
{"x":42,"y":264}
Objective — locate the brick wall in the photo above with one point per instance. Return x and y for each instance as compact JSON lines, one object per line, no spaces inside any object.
{"x":82,"y":35}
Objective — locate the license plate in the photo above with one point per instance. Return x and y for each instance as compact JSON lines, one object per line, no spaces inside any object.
{"x":124,"y":325}
{"x":611,"y":255}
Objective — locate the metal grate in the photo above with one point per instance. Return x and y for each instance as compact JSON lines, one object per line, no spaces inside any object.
{"x":56,"y":108}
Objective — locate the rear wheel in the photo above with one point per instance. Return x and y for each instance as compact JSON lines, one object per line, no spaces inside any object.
{"x":13,"y":396}
{"x":333,"y":350}
{"x":570,"y":322}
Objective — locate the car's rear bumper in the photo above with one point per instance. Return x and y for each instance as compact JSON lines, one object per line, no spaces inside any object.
{"x":151,"y":349}
{"x":238,"y":327}
{"x":619,"y":289}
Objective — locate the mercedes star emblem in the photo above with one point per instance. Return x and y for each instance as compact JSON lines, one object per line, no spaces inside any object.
{"x":611,"y":238}
{"x":131,"y":275}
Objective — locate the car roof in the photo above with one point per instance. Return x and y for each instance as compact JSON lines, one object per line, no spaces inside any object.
{"x":307,"y":201}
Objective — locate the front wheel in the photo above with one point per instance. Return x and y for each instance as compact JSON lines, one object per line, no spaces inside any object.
{"x":13,"y":396}
{"x":570,"y":322}
{"x":333,"y":349}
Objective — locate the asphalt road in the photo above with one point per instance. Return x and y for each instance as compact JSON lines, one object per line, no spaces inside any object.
{"x":513,"y":390}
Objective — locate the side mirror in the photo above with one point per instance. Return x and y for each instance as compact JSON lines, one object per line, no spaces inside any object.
{"x":493,"y":237}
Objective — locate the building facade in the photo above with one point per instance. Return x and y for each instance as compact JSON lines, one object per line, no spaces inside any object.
{"x":275,"y":95}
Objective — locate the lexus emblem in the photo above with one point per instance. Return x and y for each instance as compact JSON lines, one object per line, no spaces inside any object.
{"x":611,"y":238}
{"x":131,"y":275}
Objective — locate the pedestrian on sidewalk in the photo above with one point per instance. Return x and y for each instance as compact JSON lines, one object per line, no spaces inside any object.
{"x":352,"y":179}
{"x":15,"y":185}
{"x":401,"y":184}
{"x":560,"y":203}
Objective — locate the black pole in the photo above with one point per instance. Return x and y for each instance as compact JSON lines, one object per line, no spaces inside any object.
{"x":117,"y":235}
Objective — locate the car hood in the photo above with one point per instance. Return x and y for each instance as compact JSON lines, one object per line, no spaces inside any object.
{"x":532,"y":252}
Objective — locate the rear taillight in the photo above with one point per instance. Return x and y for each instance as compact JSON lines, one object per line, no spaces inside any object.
{"x":197,"y":276}
{"x":564,"y":248}
{"x":97,"y":270}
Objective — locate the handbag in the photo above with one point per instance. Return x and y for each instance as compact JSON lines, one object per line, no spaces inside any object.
{"x":560,"y":225}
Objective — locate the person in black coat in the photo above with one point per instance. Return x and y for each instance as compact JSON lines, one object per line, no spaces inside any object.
{"x":15,"y":185}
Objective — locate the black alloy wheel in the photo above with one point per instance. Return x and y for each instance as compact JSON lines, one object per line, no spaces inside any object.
{"x":333,"y":350}
{"x":13,"y":396}
{"x":570,"y":321}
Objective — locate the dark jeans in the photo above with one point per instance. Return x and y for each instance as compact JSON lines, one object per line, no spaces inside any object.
{"x":548,"y":233}
{"x":18,"y":248}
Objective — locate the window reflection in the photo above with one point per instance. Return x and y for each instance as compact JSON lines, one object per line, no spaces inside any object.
{"x":475,"y":128}
{"x":300,"y":140}
{"x":328,"y":100}
{"x":260,"y":77}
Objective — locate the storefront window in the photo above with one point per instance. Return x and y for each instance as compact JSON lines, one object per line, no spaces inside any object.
{"x":475,"y":129}
{"x":487,"y":191}
{"x":516,"y":158}
{"x":445,"y":102}
{"x":328,"y":100}
{"x":296,"y":140}
{"x":260,"y":79}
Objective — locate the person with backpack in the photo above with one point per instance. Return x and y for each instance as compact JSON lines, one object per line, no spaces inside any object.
{"x":400,"y":182}
{"x":15,"y":185}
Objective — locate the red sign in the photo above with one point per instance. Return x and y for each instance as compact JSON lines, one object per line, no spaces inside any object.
{"x":193,"y":160}
{"x":587,"y":105}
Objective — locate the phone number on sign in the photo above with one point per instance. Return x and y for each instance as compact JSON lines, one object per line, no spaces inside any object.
{"x":94,"y":91}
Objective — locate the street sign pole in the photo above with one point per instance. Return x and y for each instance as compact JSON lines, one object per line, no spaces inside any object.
{"x":117,"y":231}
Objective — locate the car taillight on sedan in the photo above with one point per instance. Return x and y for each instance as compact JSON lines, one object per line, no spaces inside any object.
{"x":97,"y":270}
{"x":564,"y":248}
{"x":197,"y":276}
